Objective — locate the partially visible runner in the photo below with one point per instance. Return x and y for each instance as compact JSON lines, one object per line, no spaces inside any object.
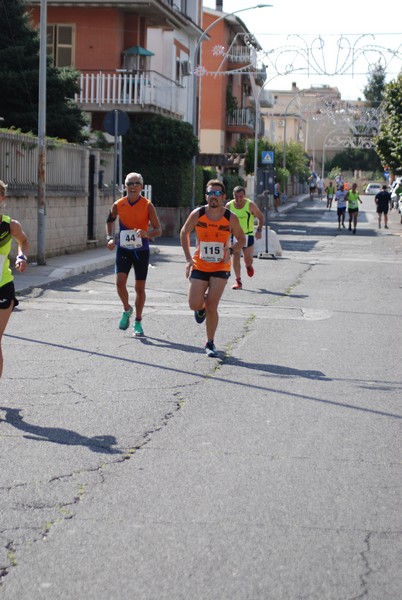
{"x":340,"y":198}
{"x":330,"y":191}
{"x":311,"y":185}
{"x":320,"y":187}
{"x":135,"y":213}
{"x":209,"y":268}
{"x":9,"y":229}
{"x":383,"y":201}
{"x":277,"y":195}
{"x":245,"y":210}
{"x":353,"y":199}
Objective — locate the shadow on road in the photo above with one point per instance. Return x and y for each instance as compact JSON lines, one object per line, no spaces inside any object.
{"x":58,"y":435}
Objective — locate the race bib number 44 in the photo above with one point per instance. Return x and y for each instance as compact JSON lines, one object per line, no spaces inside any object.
{"x":130,"y":239}
{"x":212,"y":251}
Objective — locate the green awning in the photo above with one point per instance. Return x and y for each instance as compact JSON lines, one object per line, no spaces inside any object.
{"x":138,"y":51}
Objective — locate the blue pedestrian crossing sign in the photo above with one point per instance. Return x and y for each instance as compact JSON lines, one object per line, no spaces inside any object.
{"x":267,"y":157}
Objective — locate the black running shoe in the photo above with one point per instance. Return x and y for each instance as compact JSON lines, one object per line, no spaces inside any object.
{"x":210,"y":350}
{"x":199,"y":315}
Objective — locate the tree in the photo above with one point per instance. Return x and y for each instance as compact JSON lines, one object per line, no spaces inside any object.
{"x":296,"y":158}
{"x":388,"y":143}
{"x":352,"y":159}
{"x":374,"y":90}
{"x":161,"y":149}
{"x":19,"y":74}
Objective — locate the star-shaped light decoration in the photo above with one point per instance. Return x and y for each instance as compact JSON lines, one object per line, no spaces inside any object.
{"x":200,"y":71}
{"x":218,"y":50}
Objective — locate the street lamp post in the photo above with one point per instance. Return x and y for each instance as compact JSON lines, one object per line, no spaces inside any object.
{"x":285,"y":126}
{"x":41,"y":259}
{"x":256,"y":127}
{"x":194,"y":62}
{"x":323,"y":148}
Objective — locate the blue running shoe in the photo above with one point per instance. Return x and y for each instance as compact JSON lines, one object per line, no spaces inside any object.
{"x":125,"y":318}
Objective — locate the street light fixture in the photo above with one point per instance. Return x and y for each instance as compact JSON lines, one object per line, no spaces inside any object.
{"x":195,"y":60}
{"x":256,"y":128}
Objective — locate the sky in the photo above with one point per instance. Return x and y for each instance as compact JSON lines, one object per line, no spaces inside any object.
{"x":323,"y":43}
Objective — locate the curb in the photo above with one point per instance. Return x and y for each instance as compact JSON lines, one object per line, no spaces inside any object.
{"x":76,"y":264}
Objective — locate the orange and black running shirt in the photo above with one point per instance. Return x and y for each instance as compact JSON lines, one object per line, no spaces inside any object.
{"x":132,"y":217}
{"x":212,"y":239}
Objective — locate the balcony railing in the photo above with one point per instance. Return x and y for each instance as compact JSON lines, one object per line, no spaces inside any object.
{"x":242,"y":54}
{"x":125,"y":89}
{"x":245,"y":117}
{"x":241,"y":117}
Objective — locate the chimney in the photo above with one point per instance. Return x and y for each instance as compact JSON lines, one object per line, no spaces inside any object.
{"x":219,"y":5}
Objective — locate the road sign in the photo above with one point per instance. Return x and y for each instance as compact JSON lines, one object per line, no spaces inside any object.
{"x":267,"y":157}
{"x":116,"y":121}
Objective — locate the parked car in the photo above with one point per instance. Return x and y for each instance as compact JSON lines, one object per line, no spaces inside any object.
{"x":397,"y":197}
{"x":394,"y":185}
{"x":373,"y":188}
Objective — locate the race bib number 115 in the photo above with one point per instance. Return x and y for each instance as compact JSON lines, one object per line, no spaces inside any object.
{"x":211,"y":251}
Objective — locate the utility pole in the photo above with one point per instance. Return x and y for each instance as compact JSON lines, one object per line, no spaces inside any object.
{"x":41,"y":260}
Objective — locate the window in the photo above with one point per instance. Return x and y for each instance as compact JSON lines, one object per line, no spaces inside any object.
{"x":60,"y":45}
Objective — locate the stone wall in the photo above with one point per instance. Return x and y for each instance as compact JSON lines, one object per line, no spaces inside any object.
{"x":66,"y":220}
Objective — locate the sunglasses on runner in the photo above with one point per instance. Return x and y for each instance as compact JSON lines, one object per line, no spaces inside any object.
{"x":215,"y":193}
{"x":133,"y":183}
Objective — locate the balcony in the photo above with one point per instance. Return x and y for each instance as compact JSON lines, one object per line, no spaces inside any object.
{"x":147,"y":91}
{"x":266,"y":99}
{"x":242,"y":120}
{"x":241,"y":117}
{"x":242,"y":55}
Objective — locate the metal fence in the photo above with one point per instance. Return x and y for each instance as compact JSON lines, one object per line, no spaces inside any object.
{"x":19,"y":163}
{"x":66,"y":166}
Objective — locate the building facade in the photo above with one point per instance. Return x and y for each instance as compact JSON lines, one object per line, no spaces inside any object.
{"x":230,"y":80}
{"x":132,"y":56}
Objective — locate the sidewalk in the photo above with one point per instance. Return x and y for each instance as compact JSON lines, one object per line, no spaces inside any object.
{"x":58,"y":268}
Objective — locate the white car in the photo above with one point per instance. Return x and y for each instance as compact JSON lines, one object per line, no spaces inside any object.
{"x":373,"y":188}
{"x":393,"y":187}
{"x":396,"y":198}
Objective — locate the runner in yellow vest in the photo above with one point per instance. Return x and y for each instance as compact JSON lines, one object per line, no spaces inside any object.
{"x":9,"y":229}
{"x":246,"y":211}
{"x":353,"y":199}
{"x":330,"y":194}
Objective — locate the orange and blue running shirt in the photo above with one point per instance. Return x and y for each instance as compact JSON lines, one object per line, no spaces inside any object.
{"x":132,"y":217}
{"x":212,"y":239}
